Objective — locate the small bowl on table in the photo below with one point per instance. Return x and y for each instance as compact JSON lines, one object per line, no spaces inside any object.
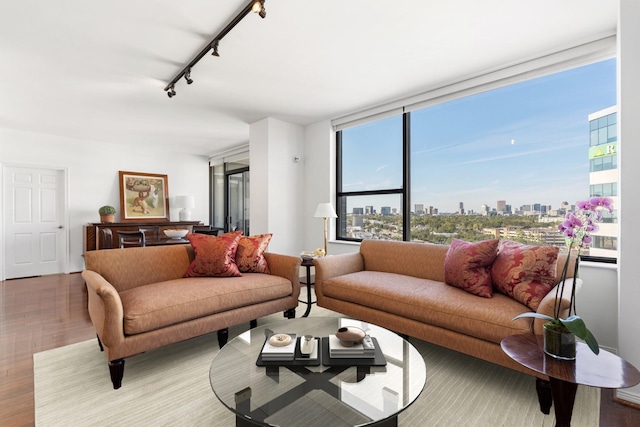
{"x":176,"y":234}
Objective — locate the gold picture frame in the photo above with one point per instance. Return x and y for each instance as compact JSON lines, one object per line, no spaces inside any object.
{"x":144,"y":197}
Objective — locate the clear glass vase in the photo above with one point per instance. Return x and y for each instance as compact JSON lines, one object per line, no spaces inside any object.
{"x":559,"y":342}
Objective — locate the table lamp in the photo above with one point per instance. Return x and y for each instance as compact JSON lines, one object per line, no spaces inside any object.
{"x":325,"y":210}
{"x":186,"y":203}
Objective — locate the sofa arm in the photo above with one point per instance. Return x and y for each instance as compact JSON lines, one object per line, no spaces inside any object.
{"x":547,"y":304}
{"x":286,"y":266}
{"x":105,"y":309}
{"x":334,"y":266}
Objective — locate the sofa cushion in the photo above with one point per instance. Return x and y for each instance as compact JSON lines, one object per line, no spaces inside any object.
{"x":468,"y":266}
{"x":215,"y":256}
{"x":250,"y":253}
{"x":525,"y":273}
{"x":162,"y":304}
{"x":431,"y":302}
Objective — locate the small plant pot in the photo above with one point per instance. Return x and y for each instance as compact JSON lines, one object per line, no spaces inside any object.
{"x":108,"y":218}
{"x":559,"y":343}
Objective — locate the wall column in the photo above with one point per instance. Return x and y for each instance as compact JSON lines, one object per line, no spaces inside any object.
{"x":276,"y":187}
{"x":629,"y":209}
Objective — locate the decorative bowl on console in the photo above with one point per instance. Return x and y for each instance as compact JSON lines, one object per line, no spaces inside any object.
{"x":176,"y":234}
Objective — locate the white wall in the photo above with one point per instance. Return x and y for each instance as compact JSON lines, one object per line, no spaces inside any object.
{"x":628,"y":158}
{"x":597,"y":302}
{"x":93,"y":176}
{"x":277,"y":183}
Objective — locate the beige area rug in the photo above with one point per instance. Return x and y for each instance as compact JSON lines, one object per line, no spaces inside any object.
{"x":170,"y":387}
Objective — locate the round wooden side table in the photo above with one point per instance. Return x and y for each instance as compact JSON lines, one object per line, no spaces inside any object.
{"x":605,"y":370}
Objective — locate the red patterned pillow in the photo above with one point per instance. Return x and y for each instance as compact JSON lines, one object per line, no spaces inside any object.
{"x":214,"y":255}
{"x":525,"y":273}
{"x":468,"y":266}
{"x":250,"y":254}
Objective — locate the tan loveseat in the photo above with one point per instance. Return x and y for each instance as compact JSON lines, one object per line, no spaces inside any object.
{"x":401,"y":286}
{"x":139,"y":299}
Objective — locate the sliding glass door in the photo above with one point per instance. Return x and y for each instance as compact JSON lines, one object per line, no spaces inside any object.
{"x":237,"y":203}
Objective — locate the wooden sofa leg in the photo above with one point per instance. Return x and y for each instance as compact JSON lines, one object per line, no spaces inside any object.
{"x":100,"y":343}
{"x":253,"y":323}
{"x":543,"y":387}
{"x":223,"y":337}
{"x":116,"y":369}
{"x":290,"y":314}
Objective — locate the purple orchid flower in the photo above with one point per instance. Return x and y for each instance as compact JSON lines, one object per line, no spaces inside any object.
{"x":601,"y":202}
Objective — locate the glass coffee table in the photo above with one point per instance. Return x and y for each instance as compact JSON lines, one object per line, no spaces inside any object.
{"x":331,"y":393}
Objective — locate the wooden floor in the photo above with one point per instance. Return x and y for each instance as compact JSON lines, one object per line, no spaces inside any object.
{"x":42,"y":313}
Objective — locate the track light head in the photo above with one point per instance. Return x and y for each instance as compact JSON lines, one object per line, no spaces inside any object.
{"x":171,"y":92}
{"x":258,"y":7}
{"x":187,"y":76}
{"x":214,"y":46}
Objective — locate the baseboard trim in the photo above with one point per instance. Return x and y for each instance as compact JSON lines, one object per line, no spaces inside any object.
{"x":628,"y":399}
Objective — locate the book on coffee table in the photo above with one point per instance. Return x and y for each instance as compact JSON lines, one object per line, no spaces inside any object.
{"x":365,"y":349}
{"x":279,"y":353}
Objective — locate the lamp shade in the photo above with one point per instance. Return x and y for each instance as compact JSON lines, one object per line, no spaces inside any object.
{"x":185,"y":202}
{"x":325,"y":210}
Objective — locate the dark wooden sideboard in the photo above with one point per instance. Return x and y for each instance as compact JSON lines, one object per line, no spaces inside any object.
{"x":91,"y":235}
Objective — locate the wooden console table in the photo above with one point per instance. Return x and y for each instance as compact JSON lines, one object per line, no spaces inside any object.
{"x":91,"y":233}
{"x":605,"y":370}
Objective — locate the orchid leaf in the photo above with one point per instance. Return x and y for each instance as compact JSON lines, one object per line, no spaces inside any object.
{"x":576,"y":325}
{"x":536,"y":315}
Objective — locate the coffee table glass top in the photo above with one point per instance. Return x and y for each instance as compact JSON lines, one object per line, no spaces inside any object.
{"x":316,"y":395}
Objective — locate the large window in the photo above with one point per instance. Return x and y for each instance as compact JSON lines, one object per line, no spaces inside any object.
{"x":508,"y":162}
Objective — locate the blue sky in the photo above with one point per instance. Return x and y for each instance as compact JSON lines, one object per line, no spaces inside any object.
{"x":525,"y":143}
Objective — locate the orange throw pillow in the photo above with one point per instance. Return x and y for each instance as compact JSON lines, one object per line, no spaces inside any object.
{"x":468,"y":266}
{"x":525,"y":273}
{"x":250,"y":254}
{"x":214,"y":255}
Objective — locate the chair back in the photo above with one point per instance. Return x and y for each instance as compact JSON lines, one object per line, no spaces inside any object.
{"x":131,"y":238}
{"x":107,"y":238}
{"x":150,"y":232}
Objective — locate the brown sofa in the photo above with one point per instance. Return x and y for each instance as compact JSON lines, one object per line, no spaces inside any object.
{"x":139,"y":299}
{"x":401,"y":286}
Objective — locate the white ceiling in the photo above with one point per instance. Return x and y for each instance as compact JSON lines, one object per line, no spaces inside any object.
{"x":95,"y":71}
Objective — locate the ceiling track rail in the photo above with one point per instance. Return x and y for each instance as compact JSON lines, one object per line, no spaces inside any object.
{"x":256,"y":6}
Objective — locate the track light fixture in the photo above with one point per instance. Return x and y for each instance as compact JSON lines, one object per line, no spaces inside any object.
{"x":214,"y":46}
{"x":256,"y":6}
{"x":187,"y":76}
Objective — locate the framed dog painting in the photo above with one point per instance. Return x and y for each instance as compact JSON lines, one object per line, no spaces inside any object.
{"x":144,"y":197}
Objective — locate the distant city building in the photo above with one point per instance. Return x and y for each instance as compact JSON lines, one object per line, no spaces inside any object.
{"x":501,"y":204}
{"x":461,"y":208}
{"x":385,"y":210}
{"x":418,"y":209}
{"x":603,"y":177}
{"x":368,"y":210}
{"x":358,"y":211}
{"x":342,"y":217}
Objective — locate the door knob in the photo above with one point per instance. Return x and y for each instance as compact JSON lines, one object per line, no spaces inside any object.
{"x":60,"y":227}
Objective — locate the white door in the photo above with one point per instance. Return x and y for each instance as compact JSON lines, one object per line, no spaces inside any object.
{"x":35,"y":240}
